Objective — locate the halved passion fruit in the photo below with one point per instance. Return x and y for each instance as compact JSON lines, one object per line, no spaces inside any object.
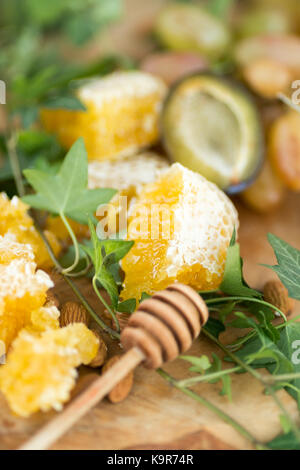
{"x":211,"y":125}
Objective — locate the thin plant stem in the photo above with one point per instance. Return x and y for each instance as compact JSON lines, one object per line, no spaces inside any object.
{"x":15,"y":164}
{"x":83,"y":272}
{"x":270,"y":379}
{"x":112,"y":313}
{"x":75,"y":244}
{"x":75,"y":289}
{"x":48,"y":246}
{"x":207,"y":377}
{"x":246,"y":299}
{"x":239,"y":342}
{"x":224,"y":416}
{"x":259,"y":377}
{"x":94,"y":315}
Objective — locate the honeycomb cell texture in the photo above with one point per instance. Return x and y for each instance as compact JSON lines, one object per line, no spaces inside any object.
{"x":41,"y":370}
{"x":121,"y":117}
{"x":16,"y":221}
{"x":182,"y":225}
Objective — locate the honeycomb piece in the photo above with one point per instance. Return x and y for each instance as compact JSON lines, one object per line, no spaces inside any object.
{"x":128,"y":176}
{"x":122,"y":111}
{"x":22,"y":289}
{"x":15,"y":220}
{"x":44,"y":318}
{"x":10,"y":249}
{"x":182,"y":225}
{"x":132,"y":172}
{"x":41,"y":371}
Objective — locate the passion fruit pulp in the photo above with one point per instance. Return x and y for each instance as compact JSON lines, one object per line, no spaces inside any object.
{"x":210,"y":124}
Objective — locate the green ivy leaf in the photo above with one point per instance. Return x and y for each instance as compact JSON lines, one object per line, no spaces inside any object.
{"x":288,"y":268}
{"x":233,"y":282}
{"x":66,"y":193}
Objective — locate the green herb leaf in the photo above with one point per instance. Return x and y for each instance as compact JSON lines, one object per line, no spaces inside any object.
{"x":285,"y":423}
{"x":66,"y":192}
{"x":214,"y":327}
{"x":262,"y":352}
{"x":65,"y":101}
{"x":285,"y":442}
{"x":144,"y":296}
{"x":202,"y":365}
{"x":289,"y":344}
{"x":104,"y":254}
{"x":288,"y":268}
{"x":233,"y":282}
{"x":127,"y":306}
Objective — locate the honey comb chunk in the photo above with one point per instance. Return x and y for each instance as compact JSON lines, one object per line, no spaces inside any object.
{"x":122,"y":111}
{"x":16,"y":222}
{"x":22,"y":289}
{"x":41,"y":371}
{"x":182,"y":225}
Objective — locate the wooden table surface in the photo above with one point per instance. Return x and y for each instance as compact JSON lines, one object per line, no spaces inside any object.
{"x":155,"y":415}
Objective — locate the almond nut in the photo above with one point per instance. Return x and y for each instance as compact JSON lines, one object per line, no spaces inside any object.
{"x":123,"y":388}
{"x":73,"y":312}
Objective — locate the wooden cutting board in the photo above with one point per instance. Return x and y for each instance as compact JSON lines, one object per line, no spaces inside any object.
{"x":155,"y":415}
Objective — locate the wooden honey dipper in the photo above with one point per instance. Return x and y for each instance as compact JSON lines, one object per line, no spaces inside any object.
{"x":162,"y":327}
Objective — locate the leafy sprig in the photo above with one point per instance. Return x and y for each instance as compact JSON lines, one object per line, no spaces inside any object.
{"x":288,"y":267}
{"x":105,"y":254}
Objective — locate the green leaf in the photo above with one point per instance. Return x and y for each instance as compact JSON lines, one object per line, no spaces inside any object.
{"x":66,"y":101}
{"x":289,"y":344}
{"x":200,"y":364}
{"x":226,"y":310}
{"x":288,"y":268}
{"x":285,"y":423}
{"x":68,"y":258}
{"x":127,"y":306}
{"x":285,"y":442}
{"x":144,"y":296}
{"x":262,"y":352}
{"x":104,"y":254}
{"x":220,"y":8}
{"x":66,"y":192}
{"x":214,"y":327}
{"x":233,"y":282}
